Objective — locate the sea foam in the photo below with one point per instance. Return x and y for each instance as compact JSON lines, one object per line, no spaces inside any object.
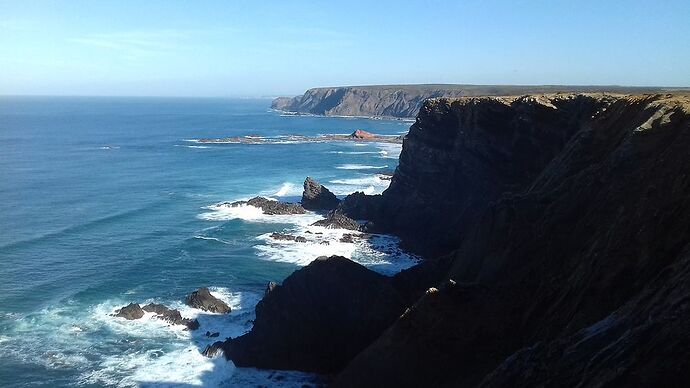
{"x":358,"y":167}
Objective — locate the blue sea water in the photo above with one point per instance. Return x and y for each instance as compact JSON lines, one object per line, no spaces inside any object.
{"x":106,"y":201}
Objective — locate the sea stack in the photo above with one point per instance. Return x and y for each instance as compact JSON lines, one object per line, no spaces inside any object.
{"x":318,"y":197}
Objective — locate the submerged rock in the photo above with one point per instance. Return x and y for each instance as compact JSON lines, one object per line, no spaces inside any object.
{"x":133,"y":311}
{"x":130,"y":312}
{"x":172,"y":316}
{"x":287,"y":237}
{"x":318,"y":197}
{"x":203,"y":300}
{"x":271,"y":207}
{"x":336,"y":220}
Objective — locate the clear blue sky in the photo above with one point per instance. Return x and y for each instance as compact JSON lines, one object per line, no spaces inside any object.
{"x":265,"y":48}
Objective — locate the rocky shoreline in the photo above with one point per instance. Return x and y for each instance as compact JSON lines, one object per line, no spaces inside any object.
{"x":357,"y":136}
{"x":555,"y":231}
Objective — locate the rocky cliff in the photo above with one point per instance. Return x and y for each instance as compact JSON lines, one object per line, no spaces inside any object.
{"x":404,"y":101}
{"x":556,"y":231}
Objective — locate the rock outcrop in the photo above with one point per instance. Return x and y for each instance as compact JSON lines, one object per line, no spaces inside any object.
{"x":337,"y":220}
{"x":317,"y":197}
{"x":405,"y":101}
{"x":203,"y":300}
{"x":134,"y":311}
{"x":318,"y":319}
{"x":270,"y":207}
{"x":130,"y":312}
{"x":171,"y":316}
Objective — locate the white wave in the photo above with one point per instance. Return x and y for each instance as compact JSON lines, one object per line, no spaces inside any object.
{"x":225,"y":212}
{"x":353,"y":152}
{"x":213,"y":239}
{"x":370,"y":184}
{"x":200,"y":147}
{"x":288,"y":188}
{"x":389,"y":150}
{"x":358,"y":167}
{"x":380,"y":253}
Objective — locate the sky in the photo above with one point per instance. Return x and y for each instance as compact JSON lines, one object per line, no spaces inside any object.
{"x":270,"y":48}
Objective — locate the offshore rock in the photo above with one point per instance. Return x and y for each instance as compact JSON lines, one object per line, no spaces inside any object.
{"x":203,"y":300}
{"x":130,"y":312}
{"x":271,"y":207}
{"x":317,"y":196}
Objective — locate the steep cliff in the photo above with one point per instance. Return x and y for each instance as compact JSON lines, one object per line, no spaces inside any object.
{"x":576,"y":274}
{"x":556,"y":231}
{"x":404,"y":101}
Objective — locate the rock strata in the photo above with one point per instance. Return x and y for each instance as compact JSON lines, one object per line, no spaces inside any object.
{"x":203,"y":300}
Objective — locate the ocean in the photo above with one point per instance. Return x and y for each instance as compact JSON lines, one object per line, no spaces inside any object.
{"x":107,"y":201}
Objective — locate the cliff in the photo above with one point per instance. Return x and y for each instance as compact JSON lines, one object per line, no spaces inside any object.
{"x":404,"y":101}
{"x":556,"y":232}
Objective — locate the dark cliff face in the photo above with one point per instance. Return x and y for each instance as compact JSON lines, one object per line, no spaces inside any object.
{"x":462,"y":154}
{"x":556,"y":231}
{"x":581,"y":265}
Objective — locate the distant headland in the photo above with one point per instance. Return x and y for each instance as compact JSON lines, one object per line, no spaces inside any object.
{"x":404,"y":101}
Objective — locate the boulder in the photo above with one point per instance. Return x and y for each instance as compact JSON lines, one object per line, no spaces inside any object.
{"x":318,"y":197}
{"x":318,"y":319}
{"x":130,"y":312}
{"x":203,"y":300}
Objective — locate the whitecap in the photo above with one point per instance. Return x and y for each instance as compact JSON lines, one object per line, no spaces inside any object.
{"x":353,"y":152}
{"x":288,"y":188}
{"x":369,"y":184}
{"x":358,"y":167}
{"x":226,"y":212}
{"x":380,"y":253}
{"x":389,"y":150}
